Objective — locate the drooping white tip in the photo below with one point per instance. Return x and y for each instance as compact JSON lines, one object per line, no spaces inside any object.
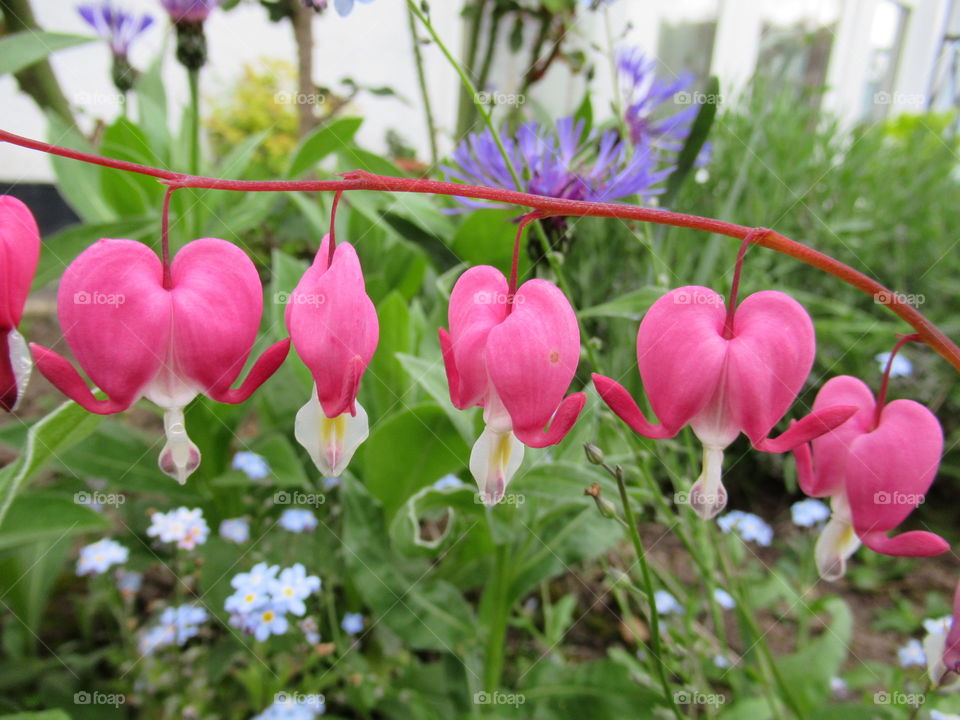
{"x":837,"y":542}
{"x":331,"y":442}
{"x":708,"y":496}
{"x":22,"y":363}
{"x":179,"y":457}
{"x":494,"y":460}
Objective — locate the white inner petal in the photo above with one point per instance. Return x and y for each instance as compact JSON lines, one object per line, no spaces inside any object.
{"x":179,"y":457}
{"x":837,"y":542}
{"x":21,"y":361}
{"x":330,"y":442}
{"x":495,"y":459}
{"x":708,"y":496}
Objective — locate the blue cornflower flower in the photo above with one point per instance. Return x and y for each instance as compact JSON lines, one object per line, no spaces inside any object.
{"x":118,"y":27}
{"x":564,"y":162}
{"x":646,"y":94}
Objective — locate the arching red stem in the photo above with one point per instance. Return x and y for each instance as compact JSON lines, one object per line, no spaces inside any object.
{"x":362,"y":180}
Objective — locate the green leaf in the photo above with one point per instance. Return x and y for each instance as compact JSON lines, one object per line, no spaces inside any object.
{"x":632,"y":305}
{"x":52,"y":434}
{"x":461,"y":509}
{"x":385,"y":380}
{"x":699,"y":132}
{"x":599,"y":690}
{"x":426,"y":612}
{"x":409,"y":451}
{"x":23,"y":49}
{"x":328,"y":139}
{"x":431,"y":376}
{"x":152,"y":108}
{"x":129,"y":193}
{"x":44,"y":517}
{"x":486,"y":238}
{"x":39,"y":715}
{"x":77,"y":181}
{"x":810,"y":669}
{"x":60,"y":249}
{"x":584,"y":112}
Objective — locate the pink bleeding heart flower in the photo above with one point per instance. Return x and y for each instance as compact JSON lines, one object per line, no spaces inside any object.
{"x":515,"y":360}
{"x":138,"y":334}
{"x":941,"y":646}
{"x":722,"y":376}
{"x":876,"y":468}
{"x":334,"y":328}
{"x":19,"y":252}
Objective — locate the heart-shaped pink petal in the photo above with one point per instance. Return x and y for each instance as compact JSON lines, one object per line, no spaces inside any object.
{"x":532,"y":356}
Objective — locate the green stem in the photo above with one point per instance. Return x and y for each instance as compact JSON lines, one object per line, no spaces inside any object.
{"x":467,"y":98}
{"x":648,"y":585}
{"x":471,"y":89}
{"x":424,"y":92}
{"x":499,"y":611}
{"x":194,"y":79}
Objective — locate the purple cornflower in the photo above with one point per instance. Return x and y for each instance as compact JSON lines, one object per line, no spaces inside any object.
{"x":563,"y":163}
{"x":189,"y":11}
{"x":645,"y":94}
{"x":118,"y":27}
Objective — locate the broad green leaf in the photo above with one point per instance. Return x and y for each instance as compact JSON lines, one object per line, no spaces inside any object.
{"x":39,"y":715}
{"x":408,"y":451}
{"x":47,"y":517}
{"x":486,"y":237}
{"x":28,"y":574}
{"x":631,"y":305}
{"x":385,"y":379}
{"x":699,"y":132}
{"x":811,"y":668}
{"x":77,"y":181}
{"x":431,"y":376}
{"x":52,"y":434}
{"x":59,"y":250}
{"x":426,"y":612}
{"x":129,"y":193}
{"x":461,"y":512}
{"x":600,"y":690}
{"x":330,"y":138}
{"x":152,"y":108}
{"x":285,"y":467}
{"x":23,"y":49}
